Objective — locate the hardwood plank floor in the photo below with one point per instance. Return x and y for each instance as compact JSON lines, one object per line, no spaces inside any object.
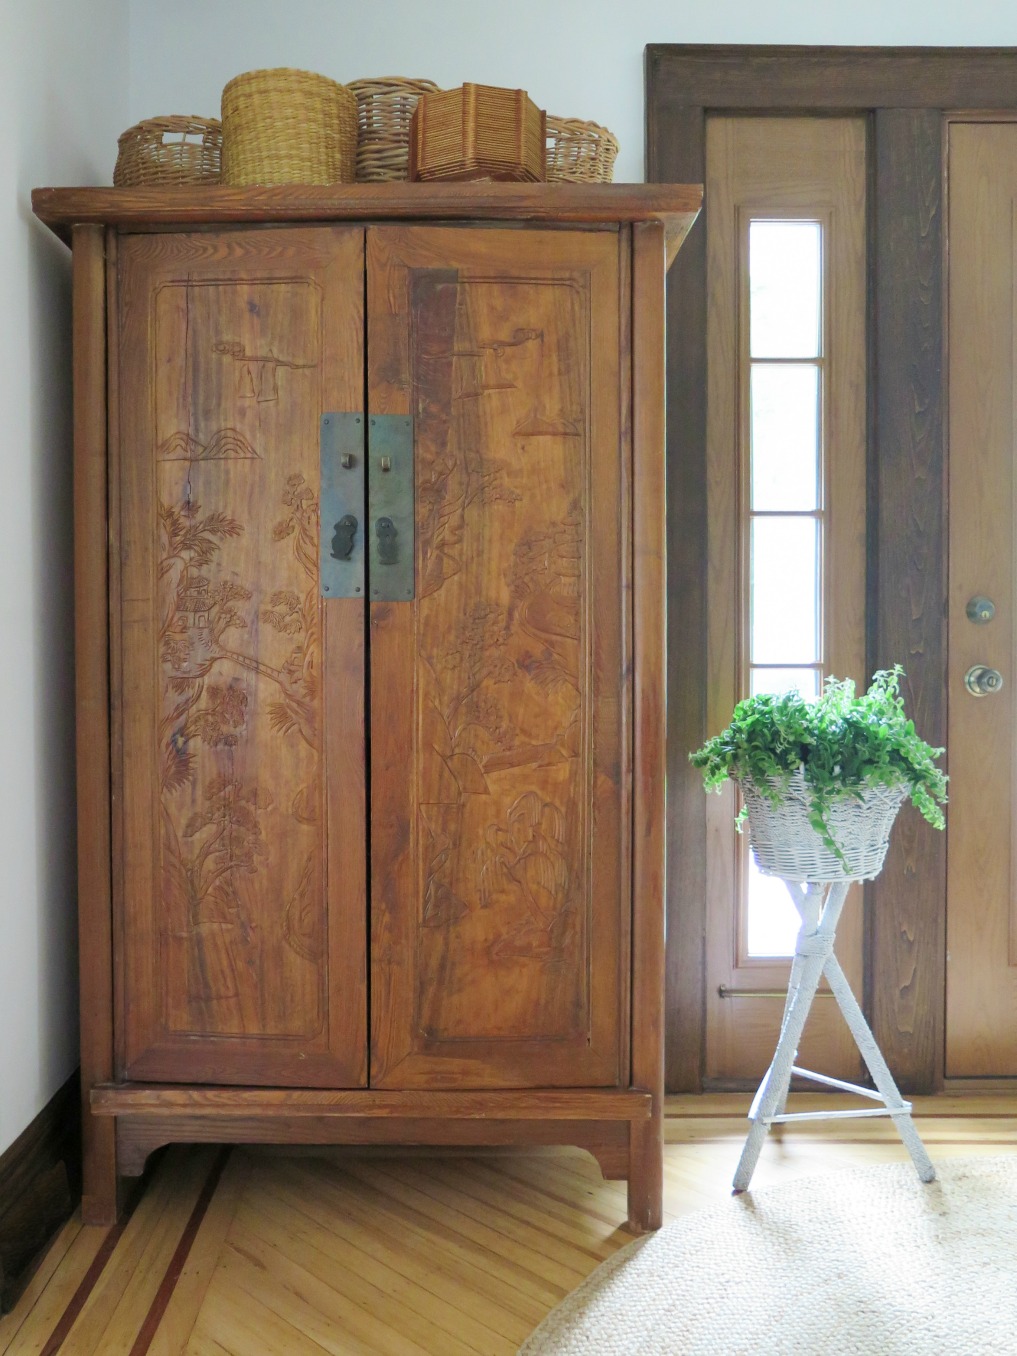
{"x":418,"y":1253}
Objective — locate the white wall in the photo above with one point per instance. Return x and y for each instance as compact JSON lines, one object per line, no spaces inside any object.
{"x":63,"y":100}
{"x":580,"y":58}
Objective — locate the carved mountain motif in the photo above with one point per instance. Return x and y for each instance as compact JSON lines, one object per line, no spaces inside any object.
{"x":226,"y":445}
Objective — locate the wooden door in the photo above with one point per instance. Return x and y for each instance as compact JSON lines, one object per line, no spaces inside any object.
{"x":981,"y":990}
{"x":239,"y":775}
{"x":499,"y":696}
{"x":786,"y":533}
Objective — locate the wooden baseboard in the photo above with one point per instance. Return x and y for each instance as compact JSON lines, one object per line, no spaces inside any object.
{"x":40,"y":1184}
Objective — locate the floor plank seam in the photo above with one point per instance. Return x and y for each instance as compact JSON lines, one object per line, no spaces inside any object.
{"x":178,"y":1261}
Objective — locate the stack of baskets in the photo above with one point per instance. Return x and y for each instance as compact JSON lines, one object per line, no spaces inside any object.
{"x":284,"y":126}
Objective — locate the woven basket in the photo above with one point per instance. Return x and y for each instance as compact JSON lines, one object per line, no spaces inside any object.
{"x":171,"y":150}
{"x":785,"y":844}
{"x":284,"y":126}
{"x":384,"y":108}
{"x":477,"y":132}
{"x":579,"y":152}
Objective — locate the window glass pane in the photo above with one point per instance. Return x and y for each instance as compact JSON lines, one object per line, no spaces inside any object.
{"x":785,"y":276}
{"x":784,"y":591}
{"x":806,"y":681}
{"x":784,"y":404}
{"x":772,"y":921}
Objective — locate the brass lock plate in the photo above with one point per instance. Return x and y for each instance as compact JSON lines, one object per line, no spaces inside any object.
{"x":343,"y":513}
{"x":390,"y":507}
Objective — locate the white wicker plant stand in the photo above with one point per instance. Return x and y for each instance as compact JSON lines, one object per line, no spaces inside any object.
{"x":786,"y":845}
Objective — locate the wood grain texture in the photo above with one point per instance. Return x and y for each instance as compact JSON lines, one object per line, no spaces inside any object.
{"x":676,"y":152}
{"x":244,"y":941}
{"x":907,"y":574}
{"x":831,"y":78}
{"x":139,"y":1136}
{"x":91,"y":638}
{"x":498,"y":914}
{"x":981,"y":977}
{"x":675,"y":205}
{"x":650,"y":715}
{"x":568,"y":1104}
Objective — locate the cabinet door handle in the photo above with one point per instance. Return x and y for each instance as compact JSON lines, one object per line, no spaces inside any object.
{"x":343,"y":537}
{"x":388,"y":551}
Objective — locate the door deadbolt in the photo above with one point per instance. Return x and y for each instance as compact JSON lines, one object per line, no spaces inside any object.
{"x":982,"y":681}
{"x":980,"y":610}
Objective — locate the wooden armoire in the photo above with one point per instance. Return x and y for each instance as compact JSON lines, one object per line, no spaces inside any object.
{"x":369,"y":536}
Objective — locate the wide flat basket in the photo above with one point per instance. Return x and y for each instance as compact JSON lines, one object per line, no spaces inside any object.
{"x":284,"y":126}
{"x":385,"y":106}
{"x":579,"y":152}
{"x":478,"y":132}
{"x":169,"y":151}
{"x":785,"y":844}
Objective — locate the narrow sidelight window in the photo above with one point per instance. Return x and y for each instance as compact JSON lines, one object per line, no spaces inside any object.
{"x":783,"y":528}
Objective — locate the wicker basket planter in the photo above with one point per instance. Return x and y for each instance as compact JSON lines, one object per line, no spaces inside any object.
{"x":384,"y":108}
{"x":285,"y":126}
{"x":169,"y":151}
{"x":579,"y":152}
{"x":478,"y":132}
{"x":785,"y":844}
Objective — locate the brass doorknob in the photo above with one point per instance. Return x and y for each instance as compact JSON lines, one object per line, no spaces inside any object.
{"x":981,"y":681}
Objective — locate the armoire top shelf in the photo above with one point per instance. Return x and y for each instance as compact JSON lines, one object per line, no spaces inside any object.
{"x":675,"y":205}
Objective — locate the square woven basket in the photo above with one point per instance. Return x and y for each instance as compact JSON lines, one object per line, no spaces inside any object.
{"x":478,"y":132}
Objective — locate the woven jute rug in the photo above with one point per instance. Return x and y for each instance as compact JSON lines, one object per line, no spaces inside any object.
{"x":867,"y":1262}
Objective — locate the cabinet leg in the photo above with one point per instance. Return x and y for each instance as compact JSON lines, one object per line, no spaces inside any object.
{"x":646,"y":1174}
{"x":99,"y":1196}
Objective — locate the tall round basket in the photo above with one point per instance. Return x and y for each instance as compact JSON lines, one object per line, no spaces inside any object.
{"x":785,"y":844}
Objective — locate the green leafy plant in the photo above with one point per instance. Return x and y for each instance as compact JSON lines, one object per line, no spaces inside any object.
{"x":842,"y":743}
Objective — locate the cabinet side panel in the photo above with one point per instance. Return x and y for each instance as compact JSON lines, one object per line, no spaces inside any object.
{"x":91,"y":624}
{"x":500,"y":924}
{"x":650,"y":724}
{"x":243,"y":960}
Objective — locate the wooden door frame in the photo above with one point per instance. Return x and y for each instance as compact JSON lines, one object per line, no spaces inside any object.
{"x":905,"y":92}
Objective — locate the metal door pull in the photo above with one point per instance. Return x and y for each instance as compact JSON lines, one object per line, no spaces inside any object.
{"x":388,"y":551}
{"x":343,"y":537}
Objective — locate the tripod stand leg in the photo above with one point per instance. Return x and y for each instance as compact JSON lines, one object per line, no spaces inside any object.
{"x":813,"y":949}
{"x":878,"y":1068}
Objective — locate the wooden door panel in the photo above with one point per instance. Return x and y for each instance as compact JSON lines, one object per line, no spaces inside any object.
{"x":498,"y":943}
{"x":242,"y":949}
{"x":981,"y":984}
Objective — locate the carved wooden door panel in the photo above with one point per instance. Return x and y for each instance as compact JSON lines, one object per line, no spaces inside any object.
{"x":240,"y":781}
{"x":499,"y":765}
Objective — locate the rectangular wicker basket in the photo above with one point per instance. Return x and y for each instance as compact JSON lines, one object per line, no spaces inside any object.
{"x":478,"y":132}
